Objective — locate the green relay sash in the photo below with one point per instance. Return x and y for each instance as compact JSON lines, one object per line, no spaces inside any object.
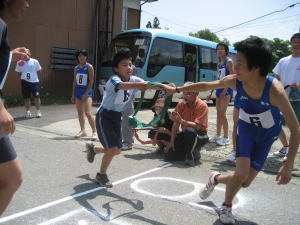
{"x":135,"y":123}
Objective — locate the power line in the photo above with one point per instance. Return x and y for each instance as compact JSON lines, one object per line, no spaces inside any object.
{"x":257,"y":18}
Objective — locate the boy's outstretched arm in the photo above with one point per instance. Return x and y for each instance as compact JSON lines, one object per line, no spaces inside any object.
{"x":227,"y":82}
{"x":144,"y":85}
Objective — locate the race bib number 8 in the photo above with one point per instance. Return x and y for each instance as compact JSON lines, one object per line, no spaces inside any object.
{"x":81,"y":79}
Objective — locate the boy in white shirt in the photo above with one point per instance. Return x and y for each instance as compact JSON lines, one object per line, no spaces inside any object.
{"x":28,"y":71}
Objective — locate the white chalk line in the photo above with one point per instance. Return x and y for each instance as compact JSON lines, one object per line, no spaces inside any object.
{"x":49,"y":204}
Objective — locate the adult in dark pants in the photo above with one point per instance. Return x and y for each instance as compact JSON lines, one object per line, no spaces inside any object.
{"x":10,"y":166}
{"x":191,"y":114}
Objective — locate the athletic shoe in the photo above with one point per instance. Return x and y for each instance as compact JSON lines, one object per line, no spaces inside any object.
{"x":209,"y":187}
{"x":231,"y":157}
{"x":90,"y":153}
{"x":103,"y":180}
{"x":94,"y":136}
{"x":223,"y":141}
{"x":126,"y":147}
{"x":81,"y":134}
{"x":28,"y":114}
{"x":281,"y":152}
{"x":226,"y":216}
{"x":214,"y":138}
{"x":38,"y":114}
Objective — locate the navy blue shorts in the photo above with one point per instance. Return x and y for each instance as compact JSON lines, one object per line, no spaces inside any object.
{"x":7,"y":151}
{"x":80,"y":92}
{"x":255,"y":143}
{"x":29,"y":89}
{"x":220,"y":90}
{"x":108,"y":124}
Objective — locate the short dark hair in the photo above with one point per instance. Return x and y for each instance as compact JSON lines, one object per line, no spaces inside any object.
{"x":121,"y":55}
{"x":224,"y":45}
{"x":81,"y":51}
{"x":297,"y":35}
{"x":257,"y":53}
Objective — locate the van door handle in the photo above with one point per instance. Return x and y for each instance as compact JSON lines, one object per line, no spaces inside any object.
{"x":203,"y":75}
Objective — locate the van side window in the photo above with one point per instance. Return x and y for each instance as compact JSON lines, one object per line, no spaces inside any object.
{"x":164,"y":52}
{"x":209,"y":60}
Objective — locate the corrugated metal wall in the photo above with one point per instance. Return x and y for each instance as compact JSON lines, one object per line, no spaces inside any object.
{"x":69,"y":23}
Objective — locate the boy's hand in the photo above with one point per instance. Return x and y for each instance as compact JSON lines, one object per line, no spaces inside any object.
{"x":176,"y":117}
{"x":170,"y":90}
{"x":7,"y":122}
{"x":20,"y":54}
{"x":73,"y":99}
{"x":168,"y":147}
{"x":284,"y":175}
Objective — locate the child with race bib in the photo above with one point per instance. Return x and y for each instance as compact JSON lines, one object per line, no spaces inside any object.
{"x":261,"y":98}
{"x":118,"y":95}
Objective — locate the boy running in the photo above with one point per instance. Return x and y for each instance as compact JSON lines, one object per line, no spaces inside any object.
{"x":118,"y":95}
{"x":261,"y":99}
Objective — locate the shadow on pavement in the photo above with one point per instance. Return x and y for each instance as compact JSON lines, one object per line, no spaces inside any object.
{"x":134,"y":205}
{"x":22,"y":118}
{"x":238,"y":222}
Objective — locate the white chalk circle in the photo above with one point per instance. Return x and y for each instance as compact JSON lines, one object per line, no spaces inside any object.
{"x":196,"y":188}
{"x":135,"y":186}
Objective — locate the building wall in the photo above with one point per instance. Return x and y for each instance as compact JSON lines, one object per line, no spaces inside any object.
{"x":69,"y":23}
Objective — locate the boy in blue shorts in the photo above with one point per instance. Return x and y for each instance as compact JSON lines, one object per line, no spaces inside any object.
{"x":261,"y":99}
{"x":118,"y":96}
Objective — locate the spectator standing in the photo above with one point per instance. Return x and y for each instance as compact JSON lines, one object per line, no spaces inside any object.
{"x":288,"y":72}
{"x":28,"y":71}
{"x":82,"y":93}
{"x":224,"y":68}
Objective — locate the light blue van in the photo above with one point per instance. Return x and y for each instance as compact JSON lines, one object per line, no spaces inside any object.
{"x":165,"y":57}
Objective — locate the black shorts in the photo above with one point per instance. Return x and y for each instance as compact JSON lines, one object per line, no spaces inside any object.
{"x":7,"y":151}
{"x":29,"y":89}
{"x":108,"y":124}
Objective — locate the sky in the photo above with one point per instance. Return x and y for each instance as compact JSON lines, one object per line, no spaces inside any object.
{"x":185,"y":16}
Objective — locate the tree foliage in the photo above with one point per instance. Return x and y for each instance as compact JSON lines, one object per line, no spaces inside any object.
{"x":206,"y":34}
{"x":155,"y":24}
{"x":280,"y":48}
{"x":149,"y":25}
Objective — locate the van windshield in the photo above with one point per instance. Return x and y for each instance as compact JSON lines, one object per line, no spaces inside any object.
{"x":137,"y":45}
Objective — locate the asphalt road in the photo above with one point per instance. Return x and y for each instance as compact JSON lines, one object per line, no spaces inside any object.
{"x":58,"y":184}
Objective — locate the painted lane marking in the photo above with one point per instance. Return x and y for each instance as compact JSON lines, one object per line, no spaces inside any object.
{"x":100,"y":215}
{"x":134,"y":186}
{"x":179,"y":198}
{"x":49,"y":204}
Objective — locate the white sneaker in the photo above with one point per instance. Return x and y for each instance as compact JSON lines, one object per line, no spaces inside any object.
{"x":214,"y":138}
{"x":281,"y":152}
{"x":223,"y":141}
{"x":28,"y":114}
{"x":226,"y":216}
{"x":231,"y":157}
{"x":209,"y":187}
{"x":38,"y":114}
{"x":81,"y":134}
